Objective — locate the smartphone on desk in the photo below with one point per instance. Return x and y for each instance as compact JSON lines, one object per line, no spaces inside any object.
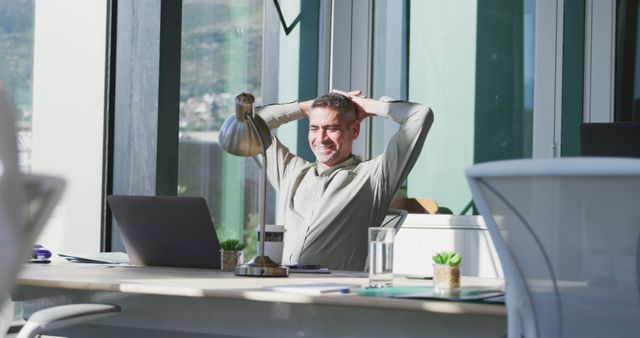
{"x":418,"y":276}
{"x":308,"y":268}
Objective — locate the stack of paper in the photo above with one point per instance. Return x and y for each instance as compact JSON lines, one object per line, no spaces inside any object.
{"x":98,"y":257}
{"x":314,"y":289}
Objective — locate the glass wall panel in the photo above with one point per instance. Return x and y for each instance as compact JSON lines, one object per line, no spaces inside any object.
{"x":573,"y":69}
{"x":221,"y":57}
{"x":472,"y":63}
{"x":627,"y":61}
{"x":389,"y":76}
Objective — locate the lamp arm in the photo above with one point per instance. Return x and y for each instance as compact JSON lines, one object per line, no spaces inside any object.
{"x":260,"y":265}
{"x":263,"y":186}
{"x":258,"y":163}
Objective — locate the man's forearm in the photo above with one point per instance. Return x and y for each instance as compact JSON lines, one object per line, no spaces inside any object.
{"x":280,"y":113}
{"x":386,"y":107}
{"x":398,"y":111}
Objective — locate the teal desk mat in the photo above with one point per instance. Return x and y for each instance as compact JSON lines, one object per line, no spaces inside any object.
{"x":465,"y":294}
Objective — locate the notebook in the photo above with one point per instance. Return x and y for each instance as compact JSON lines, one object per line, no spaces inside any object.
{"x":167,"y":231}
{"x":426,"y":292}
{"x":315,"y":288}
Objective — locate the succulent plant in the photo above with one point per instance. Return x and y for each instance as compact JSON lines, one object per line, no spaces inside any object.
{"x":449,"y":258}
{"x":231,"y":244}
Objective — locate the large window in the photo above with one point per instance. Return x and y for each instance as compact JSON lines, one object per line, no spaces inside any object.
{"x":221,"y":57}
{"x":16,"y":68}
{"x":52,"y":63}
{"x":472,"y":63}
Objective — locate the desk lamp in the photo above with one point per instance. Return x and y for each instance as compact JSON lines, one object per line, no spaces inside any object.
{"x":247,"y":134}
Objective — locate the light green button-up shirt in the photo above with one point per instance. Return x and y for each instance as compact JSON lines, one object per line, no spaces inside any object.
{"x":326,"y":213}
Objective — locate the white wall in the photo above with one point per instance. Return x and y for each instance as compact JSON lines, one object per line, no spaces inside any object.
{"x":68,"y":105}
{"x":422,"y":236}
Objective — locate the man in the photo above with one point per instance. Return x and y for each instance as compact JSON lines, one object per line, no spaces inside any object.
{"x":327,"y":205}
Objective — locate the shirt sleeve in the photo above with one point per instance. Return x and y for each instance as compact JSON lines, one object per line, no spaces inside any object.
{"x":280,"y":161}
{"x":280,"y":113}
{"x":405,"y":146}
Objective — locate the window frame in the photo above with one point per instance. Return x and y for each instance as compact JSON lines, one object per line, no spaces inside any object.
{"x":144,"y":78}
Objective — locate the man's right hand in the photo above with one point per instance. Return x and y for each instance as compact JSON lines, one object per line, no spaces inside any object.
{"x":305,"y":107}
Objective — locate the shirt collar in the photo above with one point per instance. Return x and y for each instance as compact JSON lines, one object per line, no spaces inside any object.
{"x":351,"y":161}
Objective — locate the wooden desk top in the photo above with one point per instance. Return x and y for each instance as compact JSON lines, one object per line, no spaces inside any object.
{"x":216,"y":284}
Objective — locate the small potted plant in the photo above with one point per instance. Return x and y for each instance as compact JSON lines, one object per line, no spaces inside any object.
{"x":446,"y":271}
{"x":231,"y":254}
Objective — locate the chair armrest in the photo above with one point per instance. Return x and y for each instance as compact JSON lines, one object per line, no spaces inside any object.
{"x":64,"y":315}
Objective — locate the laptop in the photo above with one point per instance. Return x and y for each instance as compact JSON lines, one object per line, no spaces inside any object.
{"x":620,"y":139}
{"x":167,"y":231}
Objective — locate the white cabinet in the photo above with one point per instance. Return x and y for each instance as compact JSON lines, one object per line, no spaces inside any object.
{"x":421,"y":236}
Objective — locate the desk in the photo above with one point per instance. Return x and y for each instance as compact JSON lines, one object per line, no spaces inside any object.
{"x":175,"y":302}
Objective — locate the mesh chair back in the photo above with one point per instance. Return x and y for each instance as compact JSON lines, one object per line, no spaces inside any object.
{"x":394,"y":219}
{"x":567,"y":232}
{"x":26,"y":202}
{"x":11,"y":199}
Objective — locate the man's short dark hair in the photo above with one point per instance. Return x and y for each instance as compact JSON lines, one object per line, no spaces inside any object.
{"x":339,"y":103}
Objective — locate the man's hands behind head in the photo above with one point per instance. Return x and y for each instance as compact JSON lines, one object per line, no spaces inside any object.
{"x":365,"y":106}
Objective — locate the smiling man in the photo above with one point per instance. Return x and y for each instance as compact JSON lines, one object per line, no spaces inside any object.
{"x":333,"y":125}
{"x":327,"y":205}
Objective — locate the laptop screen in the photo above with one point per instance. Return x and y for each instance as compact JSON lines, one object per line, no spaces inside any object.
{"x":167,"y":231}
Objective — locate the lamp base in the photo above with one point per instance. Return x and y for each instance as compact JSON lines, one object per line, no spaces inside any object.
{"x":261,"y":266}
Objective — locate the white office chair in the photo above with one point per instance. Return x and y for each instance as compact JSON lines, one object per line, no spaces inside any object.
{"x":26,"y":201}
{"x":567,"y":233}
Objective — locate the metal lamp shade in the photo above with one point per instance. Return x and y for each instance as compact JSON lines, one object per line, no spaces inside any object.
{"x":238,"y":136}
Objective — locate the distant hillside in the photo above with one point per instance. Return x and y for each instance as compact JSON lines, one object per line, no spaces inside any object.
{"x":221,"y":57}
{"x":16,"y":53}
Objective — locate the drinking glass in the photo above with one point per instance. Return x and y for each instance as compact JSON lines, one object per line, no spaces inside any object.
{"x":381,"y":257}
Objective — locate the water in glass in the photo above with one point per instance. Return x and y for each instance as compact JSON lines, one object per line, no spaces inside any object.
{"x":381,"y":256}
